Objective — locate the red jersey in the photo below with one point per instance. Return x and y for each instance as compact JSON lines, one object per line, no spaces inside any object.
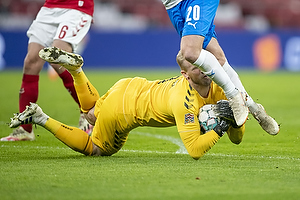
{"x":86,"y":6}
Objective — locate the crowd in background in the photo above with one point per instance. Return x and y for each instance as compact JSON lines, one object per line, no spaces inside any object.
{"x":256,"y":15}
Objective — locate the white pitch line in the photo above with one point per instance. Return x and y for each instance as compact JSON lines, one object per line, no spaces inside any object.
{"x":31,"y":147}
{"x":4,"y":123}
{"x":248,"y":156}
{"x":176,"y":141}
{"x":173,"y":140}
{"x":163,"y":152}
{"x":144,"y":151}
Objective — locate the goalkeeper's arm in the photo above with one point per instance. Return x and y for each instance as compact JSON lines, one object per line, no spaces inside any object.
{"x":224,"y":111}
{"x":198,"y":144}
{"x":235,"y":133}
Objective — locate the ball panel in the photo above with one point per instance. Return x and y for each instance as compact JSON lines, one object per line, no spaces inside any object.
{"x":207,"y":118}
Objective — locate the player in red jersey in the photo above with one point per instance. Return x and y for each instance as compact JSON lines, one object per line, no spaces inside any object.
{"x":59,"y":23}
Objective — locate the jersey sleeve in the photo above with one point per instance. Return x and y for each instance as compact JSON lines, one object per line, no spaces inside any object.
{"x":188,"y":126}
{"x":236,"y":134}
{"x":197,"y":145}
{"x":185,"y":107}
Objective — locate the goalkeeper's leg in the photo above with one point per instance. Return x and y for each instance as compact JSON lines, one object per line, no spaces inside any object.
{"x":86,"y":92}
{"x":73,"y":137}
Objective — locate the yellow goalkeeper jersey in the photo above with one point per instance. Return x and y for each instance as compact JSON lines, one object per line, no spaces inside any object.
{"x":134,"y":102}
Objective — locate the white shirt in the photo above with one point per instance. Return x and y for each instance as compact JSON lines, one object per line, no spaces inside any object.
{"x":170,"y":3}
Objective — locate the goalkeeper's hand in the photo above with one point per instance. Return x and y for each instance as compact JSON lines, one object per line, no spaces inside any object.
{"x":223,"y":110}
{"x":222,"y":127}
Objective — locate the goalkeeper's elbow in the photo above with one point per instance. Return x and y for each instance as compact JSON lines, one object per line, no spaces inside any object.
{"x":196,"y":155}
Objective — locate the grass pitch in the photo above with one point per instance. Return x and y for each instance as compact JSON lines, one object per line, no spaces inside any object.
{"x":153,"y":163}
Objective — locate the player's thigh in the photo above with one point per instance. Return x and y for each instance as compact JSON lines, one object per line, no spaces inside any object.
{"x":38,"y":33}
{"x":191,"y":46}
{"x":33,"y":64}
{"x":62,"y":45}
{"x":107,"y":133}
{"x":43,"y":28}
{"x":106,"y":136}
{"x":215,"y":48}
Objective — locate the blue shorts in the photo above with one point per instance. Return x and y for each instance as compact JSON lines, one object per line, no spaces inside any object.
{"x":195,"y":17}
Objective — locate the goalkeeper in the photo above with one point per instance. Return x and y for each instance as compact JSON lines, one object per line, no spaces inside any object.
{"x":134,"y":102}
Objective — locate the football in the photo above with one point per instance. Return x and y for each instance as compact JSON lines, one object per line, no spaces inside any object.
{"x":207,"y":118}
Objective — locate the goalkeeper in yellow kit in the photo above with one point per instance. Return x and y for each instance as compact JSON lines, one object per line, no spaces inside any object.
{"x":134,"y":102}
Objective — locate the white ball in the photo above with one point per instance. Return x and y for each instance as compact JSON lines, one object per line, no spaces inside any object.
{"x":207,"y":118}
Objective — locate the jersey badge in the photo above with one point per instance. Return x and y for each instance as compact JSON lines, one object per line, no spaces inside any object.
{"x":189,"y":118}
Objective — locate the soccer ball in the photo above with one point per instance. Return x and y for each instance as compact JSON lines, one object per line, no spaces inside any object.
{"x":207,"y":118}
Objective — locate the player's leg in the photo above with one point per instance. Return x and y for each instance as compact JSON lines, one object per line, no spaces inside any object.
{"x":72,"y":29}
{"x":69,"y":84}
{"x":73,"y":137}
{"x":29,"y":88}
{"x":33,"y":64}
{"x":192,"y":27}
{"x":214,"y":48}
{"x":87,"y":93}
{"x":197,"y":31}
{"x":257,"y":110}
{"x":52,"y":74}
{"x":111,"y":127}
{"x":63,"y":73}
{"x":208,"y":63}
{"x":31,"y":68}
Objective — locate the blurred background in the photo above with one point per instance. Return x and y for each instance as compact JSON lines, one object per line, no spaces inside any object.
{"x":255,"y":34}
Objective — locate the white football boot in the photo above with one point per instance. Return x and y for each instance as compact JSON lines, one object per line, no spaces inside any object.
{"x":33,"y":114}
{"x":239,"y":108}
{"x":19,"y":134}
{"x":68,"y":60}
{"x":265,"y":121}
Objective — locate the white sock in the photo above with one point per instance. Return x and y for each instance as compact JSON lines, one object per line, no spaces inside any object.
{"x":74,"y":72}
{"x":238,"y":84}
{"x":78,"y":70}
{"x":210,"y":66}
{"x":40,"y":118}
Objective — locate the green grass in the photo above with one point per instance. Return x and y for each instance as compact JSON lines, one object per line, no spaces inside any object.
{"x":148,"y":167}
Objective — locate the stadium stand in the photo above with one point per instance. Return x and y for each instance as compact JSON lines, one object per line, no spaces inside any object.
{"x":278,"y":13}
